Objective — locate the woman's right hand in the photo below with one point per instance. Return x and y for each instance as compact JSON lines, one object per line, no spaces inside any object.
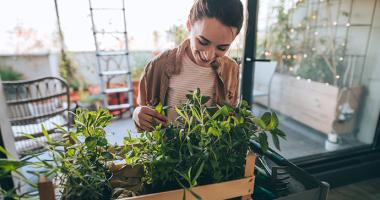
{"x":146,"y":117}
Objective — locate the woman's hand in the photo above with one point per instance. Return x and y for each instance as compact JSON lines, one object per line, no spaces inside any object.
{"x":146,"y":118}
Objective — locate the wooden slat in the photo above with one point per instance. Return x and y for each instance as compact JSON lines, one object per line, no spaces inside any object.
{"x":45,"y":189}
{"x":250,"y":160}
{"x":225,"y":190}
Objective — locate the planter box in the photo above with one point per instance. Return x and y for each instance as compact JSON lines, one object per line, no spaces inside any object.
{"x":312,"y":103}
{"x":230,"y":189}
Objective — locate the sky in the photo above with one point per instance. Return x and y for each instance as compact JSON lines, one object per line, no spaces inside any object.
{"x":143,"y":17}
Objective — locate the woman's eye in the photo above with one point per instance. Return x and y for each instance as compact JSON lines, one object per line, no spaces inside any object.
{"x":203,"y":42}
{"x":222,"y":48}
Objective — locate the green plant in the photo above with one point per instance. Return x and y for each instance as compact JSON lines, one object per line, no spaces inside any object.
{"x":8,"y":74}
{"x":204,"y":144}
{"x":311,"y":49}
{"x":278,"y":44}
{"x":79,"y":163}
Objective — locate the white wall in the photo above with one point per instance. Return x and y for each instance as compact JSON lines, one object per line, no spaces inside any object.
{"x":32,"y":66}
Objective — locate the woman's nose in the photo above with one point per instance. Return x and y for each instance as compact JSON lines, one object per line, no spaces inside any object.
{"x":210,"y":54}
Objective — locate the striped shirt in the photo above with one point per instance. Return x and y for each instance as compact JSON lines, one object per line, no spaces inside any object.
{"x":191,"y":77}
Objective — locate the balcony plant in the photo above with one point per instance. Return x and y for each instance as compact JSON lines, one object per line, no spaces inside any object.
{"x":78,"y":164}
{"x":205,"y":145}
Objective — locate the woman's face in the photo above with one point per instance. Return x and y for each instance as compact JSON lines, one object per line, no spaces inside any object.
{"x":209,"y":39}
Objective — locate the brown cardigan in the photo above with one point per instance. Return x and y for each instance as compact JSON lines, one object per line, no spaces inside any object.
{"x":154,"y":81}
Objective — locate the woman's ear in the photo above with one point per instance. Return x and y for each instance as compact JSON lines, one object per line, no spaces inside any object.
{"x":188,"y":25}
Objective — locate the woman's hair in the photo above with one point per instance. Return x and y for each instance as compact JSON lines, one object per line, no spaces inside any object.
{"x":228,"y":12}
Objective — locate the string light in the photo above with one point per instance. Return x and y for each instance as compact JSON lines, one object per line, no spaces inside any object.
{"x":291,"y":69}
{"x":305,"y":55}
{"x":298,"y":77}
{"x":335,"y":23}
{"x":337,"y":76}
{"x":292,"y":30}
{"x":341,"y":58}
{"x":294,"y":56}
{"x":348,"y":24}
{"x":315,"y":33}
{"x":289,"y":56}
{"x":288,"y":46}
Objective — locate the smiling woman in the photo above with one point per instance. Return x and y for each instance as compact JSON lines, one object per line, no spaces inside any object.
{"x":199,"y":62}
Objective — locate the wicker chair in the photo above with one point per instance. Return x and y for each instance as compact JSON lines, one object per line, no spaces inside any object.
{"x":33,"y":103}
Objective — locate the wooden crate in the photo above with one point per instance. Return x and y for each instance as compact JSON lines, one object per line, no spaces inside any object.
{"x":236,"y":188}
{"x":225,"y":190}
{"x":312,"y":103}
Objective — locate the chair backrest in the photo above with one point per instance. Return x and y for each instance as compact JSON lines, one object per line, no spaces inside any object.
{"x":33,"y":103}
{"x":263,"y":74}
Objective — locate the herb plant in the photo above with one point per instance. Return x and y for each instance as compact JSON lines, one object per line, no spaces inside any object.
{"x":204,"y":145}
{"x":79,"y":163}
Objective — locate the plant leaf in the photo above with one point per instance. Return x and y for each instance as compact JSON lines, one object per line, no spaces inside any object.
{"x":46,"y":134}
{"x":276,"y":142}
{"x":200,"y":169}
{"x":259,"y":122}
{"x":91,"y":142}
{"x":213,"y":131}
{"x":273,"y":122}
{"x":107,"y":155}
{"x":263,"y":140}
{"x":266,"y":117}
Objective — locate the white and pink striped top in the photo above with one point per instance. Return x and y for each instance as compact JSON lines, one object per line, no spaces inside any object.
{"x":191,"y":77}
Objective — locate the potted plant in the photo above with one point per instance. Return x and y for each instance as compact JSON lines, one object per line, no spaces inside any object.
{"x":205,"y":145}
{"x":204,"y":149}
{"x":78,"y":164}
